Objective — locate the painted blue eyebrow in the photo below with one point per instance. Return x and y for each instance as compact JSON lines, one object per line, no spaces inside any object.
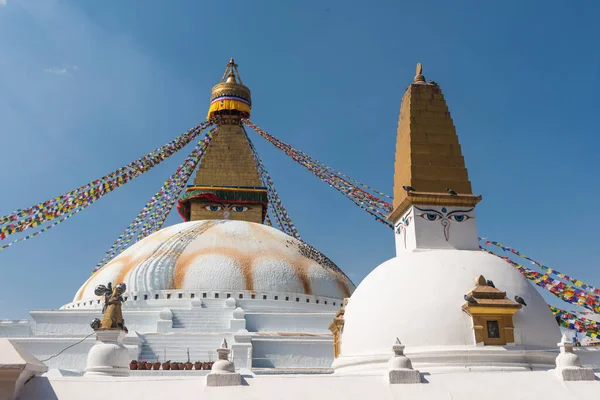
{"x":459,"y":211}
{"x":440,"y":214}
{"x":428,"y":210}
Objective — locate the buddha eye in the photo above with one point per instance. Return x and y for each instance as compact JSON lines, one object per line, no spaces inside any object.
{"x":459,"y":217}
{"x":240,"y":208}
{"x":430,"y":216}
{"x":213,"y":208}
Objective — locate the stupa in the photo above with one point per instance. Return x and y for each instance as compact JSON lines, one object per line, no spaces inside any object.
{"x":438,"y":263}
{"x":222,"y":273}
{"x":441,"y":319}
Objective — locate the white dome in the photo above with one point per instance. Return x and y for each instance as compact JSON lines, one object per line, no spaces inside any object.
{"x":417,"y":297}
{"x":222,"y":255}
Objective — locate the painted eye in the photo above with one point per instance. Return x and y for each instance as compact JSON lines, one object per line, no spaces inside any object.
{"x":459,"y":217}
{"x":430,"y":216}
{"x":213,"y":208}
{"x":240,"y":208}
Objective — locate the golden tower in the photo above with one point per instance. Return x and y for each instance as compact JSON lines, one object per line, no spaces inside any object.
{"x":227,"y":184}
{"x":429,"y":166}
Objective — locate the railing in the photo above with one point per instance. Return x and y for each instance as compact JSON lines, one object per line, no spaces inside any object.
{"x":133,"y":299}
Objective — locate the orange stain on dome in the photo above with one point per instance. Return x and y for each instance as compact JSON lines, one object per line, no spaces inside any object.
{"x":128,"y":265}
{"x":343,"y":285}
{"x":244,"y":262}
{"x":300,"y":265}
{"x":298,"y":262}
{"x":261,"y":232}
{"x":85,"y":285}
{"x":128,"y":262}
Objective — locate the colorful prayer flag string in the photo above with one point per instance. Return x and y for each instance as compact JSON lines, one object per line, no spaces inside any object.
{"x":379,"y":209}
{"x":375,"y":206}
{"x":576,"y":322}
{"x":153,"y":215}
{"x":548,"y":270}
{"x":23,"y":219}
{"x":34,"y":234}
{"x":280,"y":212}
{"x":560,"y":289}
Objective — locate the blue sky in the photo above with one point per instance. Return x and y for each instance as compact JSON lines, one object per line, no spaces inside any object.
{"x":87,"y":86}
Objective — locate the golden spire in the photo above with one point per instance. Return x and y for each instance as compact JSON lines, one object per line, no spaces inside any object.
{"x":231,"y":78}
{"x":230,"y":97}
{"x":429,"y":166}
{"x":232,"y":68}
{"x":228,"y":184}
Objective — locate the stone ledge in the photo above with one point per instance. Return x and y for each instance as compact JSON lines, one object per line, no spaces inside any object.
{"x":232,"y":379}
{"x":407,"y":376}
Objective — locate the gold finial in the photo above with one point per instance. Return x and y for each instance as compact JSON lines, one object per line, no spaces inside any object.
{"x":230,"y":94}
{"x":419,"y":76}
{"x":231,"y":77}
{"x":231,"y":71}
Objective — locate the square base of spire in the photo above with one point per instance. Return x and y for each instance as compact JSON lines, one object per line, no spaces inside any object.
{"x":433,"y":199}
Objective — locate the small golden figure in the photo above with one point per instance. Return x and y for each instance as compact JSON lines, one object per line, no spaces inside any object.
{"x":112,"y":315}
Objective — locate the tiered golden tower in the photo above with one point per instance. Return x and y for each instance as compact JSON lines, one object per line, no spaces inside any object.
{"x":429,"y":161}
{"x":227,"y":184}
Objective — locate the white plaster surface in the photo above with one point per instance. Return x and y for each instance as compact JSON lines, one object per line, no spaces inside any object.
{"x":418,"y":297}
{"x":435,"y":227}
{"x":473,"y":386}
{"x":17,"y":366}
{"x":108,"y":356}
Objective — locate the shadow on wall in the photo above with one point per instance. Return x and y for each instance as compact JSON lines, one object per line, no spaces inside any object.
{"x":38,"y":388}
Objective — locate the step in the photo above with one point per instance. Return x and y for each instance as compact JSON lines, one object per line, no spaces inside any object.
{"x":201,"y":347}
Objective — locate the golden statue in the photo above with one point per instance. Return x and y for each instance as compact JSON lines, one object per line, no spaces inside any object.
{"x":112,"y":317}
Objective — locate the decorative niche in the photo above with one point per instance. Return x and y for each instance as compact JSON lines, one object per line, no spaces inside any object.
{"x":492,"y":314}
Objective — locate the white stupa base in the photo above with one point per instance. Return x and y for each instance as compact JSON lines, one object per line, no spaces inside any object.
{"x":568,"y":366}
{"x":223,"y":371}
{"x":576,"y":374}
{"x":108,"y":357}
{"x":224,"y":379}
{"x":405,"y":376}
{"x":455,"y":359}
{"x":400,"y":366}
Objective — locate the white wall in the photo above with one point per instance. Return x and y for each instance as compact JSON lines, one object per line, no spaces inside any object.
{"x":15,"y":328}
{"x":68,"y":323}
{"x":435,"y":227}
{"x":289,"y":322}
{"x":289,"y":352}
